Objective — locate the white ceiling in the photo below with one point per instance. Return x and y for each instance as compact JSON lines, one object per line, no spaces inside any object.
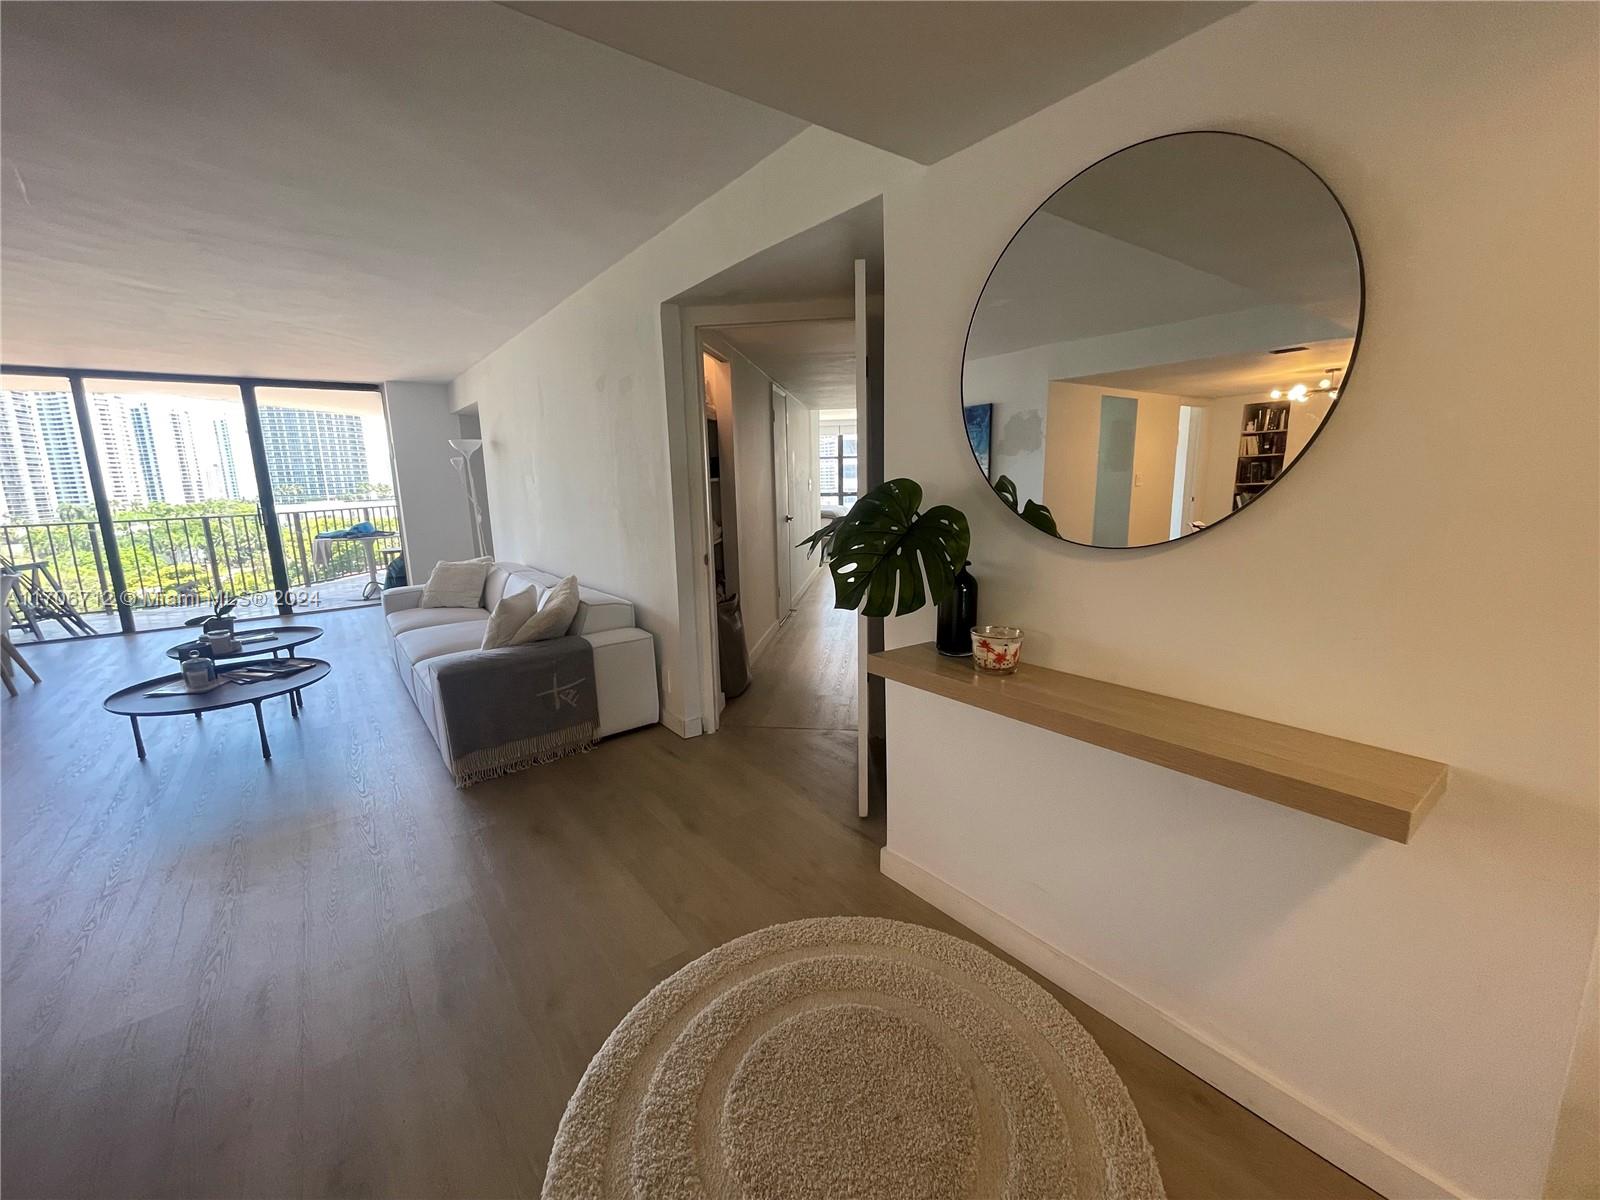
{"x":1235,"y":374}
{"x":815,"y":361}
{"x":1063,"y":282}
{"x":920,"y":79}
{"x":1230,"y":206}
{"x":1178,"y":229}
{"x":333,"y":191}
{"x":816,"y":264}
{"x":392,"y":190}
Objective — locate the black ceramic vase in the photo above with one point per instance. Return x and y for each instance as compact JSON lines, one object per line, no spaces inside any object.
{"x":958,"y":613}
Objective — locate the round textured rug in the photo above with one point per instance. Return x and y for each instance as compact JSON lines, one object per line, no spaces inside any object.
{"x":850,"y":1057}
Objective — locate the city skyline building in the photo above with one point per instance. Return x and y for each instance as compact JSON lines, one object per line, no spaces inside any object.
{"x":26,"y":481}
{"x":314,"y":453}
{"x":178,"y":449}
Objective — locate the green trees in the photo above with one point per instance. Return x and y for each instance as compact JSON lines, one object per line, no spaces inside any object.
{"x":174,"y":553}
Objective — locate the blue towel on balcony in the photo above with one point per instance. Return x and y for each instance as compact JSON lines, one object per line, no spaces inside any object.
{"x":322,"y":544}
{"x":360,"y":529}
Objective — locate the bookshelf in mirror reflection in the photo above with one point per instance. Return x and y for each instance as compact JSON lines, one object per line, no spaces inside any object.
{"x":1263,"y":441}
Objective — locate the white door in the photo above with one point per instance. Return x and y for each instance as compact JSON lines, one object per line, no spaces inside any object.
{"x":780,"y":500}
{"x":794,"y":486}
{"x":805,"y":505}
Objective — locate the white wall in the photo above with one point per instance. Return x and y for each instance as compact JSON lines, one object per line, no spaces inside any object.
{"x":435,"y":520}
{"x":587,"y":460}
{"x":1072,"y":460}
{"x":1414,"y":1005}
{"x":468,"y":426}
{"x":1575,"y":1158}
{"x":1020,"y":421}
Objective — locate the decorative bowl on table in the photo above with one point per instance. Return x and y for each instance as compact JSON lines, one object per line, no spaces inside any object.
{"x":996,"y":649}
{"x":221,"y":642}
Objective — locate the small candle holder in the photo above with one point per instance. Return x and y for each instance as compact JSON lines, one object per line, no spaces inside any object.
{"x":996,"y":649}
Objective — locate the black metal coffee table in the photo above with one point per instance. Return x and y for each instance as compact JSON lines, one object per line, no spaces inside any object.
{"x":131,"y":702}
{"x":284,"y":637}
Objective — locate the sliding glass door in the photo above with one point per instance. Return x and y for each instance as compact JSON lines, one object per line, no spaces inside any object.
{"x":49,"y":535}
{"x":134,"y":501}
{"x":185,"y":508}
{"x":333,"y":487}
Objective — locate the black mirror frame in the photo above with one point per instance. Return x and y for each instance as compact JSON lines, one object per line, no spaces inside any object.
{"x":1344,"y":382}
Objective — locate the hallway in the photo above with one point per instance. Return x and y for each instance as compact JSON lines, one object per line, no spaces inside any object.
{"x":806,"y":678}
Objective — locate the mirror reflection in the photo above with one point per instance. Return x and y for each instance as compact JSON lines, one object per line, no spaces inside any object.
{"x":1161,"y":340}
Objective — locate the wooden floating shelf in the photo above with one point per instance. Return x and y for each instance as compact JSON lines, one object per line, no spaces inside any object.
{"x":1379,"y":791}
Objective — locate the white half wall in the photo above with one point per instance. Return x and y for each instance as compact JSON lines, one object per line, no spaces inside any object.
{"x":435,"y":519}
{"x":1433,"y":593}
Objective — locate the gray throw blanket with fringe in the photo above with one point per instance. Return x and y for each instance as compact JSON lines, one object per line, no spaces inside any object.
{"x":506,"y":710}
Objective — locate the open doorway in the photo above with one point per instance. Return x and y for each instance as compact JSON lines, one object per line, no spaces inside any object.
{"x":786,"y":655}
{"x":760,"y":359}
{"x":1186,"y":470}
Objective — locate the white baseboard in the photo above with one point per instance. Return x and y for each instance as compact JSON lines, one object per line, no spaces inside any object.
{"x":805,"y":587}
{"x":679,"y":724}
{"x":766,"y":641}
{"x":772,"y":630}
{"x":1361,"y":1153}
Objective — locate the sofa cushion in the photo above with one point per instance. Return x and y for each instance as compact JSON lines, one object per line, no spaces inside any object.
{"x":494,"y":584}
{"x":597,"y":611}
{"x":433,"y":640}
{"x":509,"y":578}
{"x":408,"y":619}
{"x":513,"y":611}
{"x":524,"y":581}
{"x":557,"y":607}
{"x":456,"y":584}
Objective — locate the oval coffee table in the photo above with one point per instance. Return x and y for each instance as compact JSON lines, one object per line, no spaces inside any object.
{"x":131,"y":702}
{"x":284,"y":637}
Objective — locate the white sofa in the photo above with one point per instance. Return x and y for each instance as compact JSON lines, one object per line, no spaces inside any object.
{"x":423,"y":639}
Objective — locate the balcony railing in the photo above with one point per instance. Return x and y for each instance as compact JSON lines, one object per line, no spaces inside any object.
{"x":173,"y":562}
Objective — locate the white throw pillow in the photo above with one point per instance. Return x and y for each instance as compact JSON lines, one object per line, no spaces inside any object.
{"x":509,"y":616}
{"x":557,"y":607}
{"x":456,"y":584}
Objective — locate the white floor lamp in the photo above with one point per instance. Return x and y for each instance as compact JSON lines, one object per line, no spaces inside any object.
{"x":465,"y":448}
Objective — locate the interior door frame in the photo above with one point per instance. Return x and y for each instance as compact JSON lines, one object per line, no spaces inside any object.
{"x":870,"y":702}
{"x":681,"y":324}
{"x":1191,"y":438}
{"x":778,"y":411}
{"x":712,"y":699}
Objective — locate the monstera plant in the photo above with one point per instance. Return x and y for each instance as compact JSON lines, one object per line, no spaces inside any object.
{"x":1034,"y":513}
{"x":880,"y":551}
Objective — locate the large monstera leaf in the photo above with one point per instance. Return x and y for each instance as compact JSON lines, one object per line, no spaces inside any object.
{"x":1034,"y":513}
{"x":875,"y":549}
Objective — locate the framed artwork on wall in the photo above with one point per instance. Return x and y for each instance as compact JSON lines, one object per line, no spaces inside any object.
{"x":979,"y":417}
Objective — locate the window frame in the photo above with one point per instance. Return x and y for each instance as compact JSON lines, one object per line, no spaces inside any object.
{"x":840,"y":430}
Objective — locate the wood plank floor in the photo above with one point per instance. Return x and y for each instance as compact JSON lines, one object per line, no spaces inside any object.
{"x":806,"y":676}
{"x":335,"y":975}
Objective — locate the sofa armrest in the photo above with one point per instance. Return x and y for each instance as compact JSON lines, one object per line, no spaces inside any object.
{"x":399,"y":599}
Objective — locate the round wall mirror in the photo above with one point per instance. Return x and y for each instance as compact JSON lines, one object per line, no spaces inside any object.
{"x":1162,"y":340}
